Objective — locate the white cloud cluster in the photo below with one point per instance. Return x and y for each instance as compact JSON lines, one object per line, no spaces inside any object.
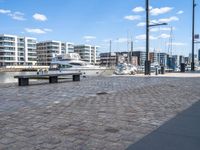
{"x":141,"y":24}
{"x":39,"y":17}
{"x":4,"y":11}
{"x":138,"y":9}
{"x":180,"y":12}
{"x":37,"y":30}
{"x":89,"y":38}
{"x":17,"y":16}
{"x":132,"y":17}
{"x":167,"y":20}
{"x":177,"y":44}
{"x":159,"y":11}
{"x":164,"y":36}
{"x":156,"y":29}
{"x":143,"y":37}
{"x":162,"y":20}
{"x":14,"y":15}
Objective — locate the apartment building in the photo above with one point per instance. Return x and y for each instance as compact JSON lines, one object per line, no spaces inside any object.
{"x":141,"y":56}
{"x":87,"y":53}
{"x":16,"y":50}
{"x":153,"y":57}
{"x":48,"y":49}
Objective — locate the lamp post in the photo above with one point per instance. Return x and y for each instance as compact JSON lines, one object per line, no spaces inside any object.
{"x":193,"y":22}
{"x":147,"y":61}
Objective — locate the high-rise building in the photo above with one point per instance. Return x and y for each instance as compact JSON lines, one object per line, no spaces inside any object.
{"x":16,"y":50}
{"x":199,"y":55}
{"x":87,"y":53}
{"x":195,"y":58}
{"x":162,"y":59}
{"x":141,"y":56}
{"x":153,"y":57}
{"x":48,"y":49}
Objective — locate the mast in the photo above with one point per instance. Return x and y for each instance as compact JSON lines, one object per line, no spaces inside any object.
{"x":110,"y":53}
{"x":170,"y":47}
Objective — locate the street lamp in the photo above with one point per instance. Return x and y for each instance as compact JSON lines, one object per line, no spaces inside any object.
{"x":147,"y":61}
{"x":193,"y":22}
{"x":157,"y":24}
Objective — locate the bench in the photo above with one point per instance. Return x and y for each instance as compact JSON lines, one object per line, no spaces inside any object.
{"x":23,"y":80}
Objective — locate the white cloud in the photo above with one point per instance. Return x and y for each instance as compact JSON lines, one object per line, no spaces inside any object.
{"x":156,"y":29}
{"x":177,"y":44}
{"x":37,"y":30}
{"x":17,"y":16}
{"x":167,"y":20}
{"x":132,"y":17}
{"x":138,"y":9}
{"x":39,"y":17}
{"x":164,"y":36}
{"x":141,"y":24}
{"x":88,"y":37}
{"x":143,"y":37}
{"x":180,"y":12}
{"x":4,"y":11}
{"x":48,"y":30}
{"x":159,"y":11}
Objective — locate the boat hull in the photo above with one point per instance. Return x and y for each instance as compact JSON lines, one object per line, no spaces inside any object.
{"x":85,"y":72}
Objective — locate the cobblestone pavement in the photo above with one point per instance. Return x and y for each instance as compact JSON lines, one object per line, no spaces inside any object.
{"x":95,"y":113}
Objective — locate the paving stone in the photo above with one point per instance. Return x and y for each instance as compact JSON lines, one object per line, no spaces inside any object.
{"x":72,"y":115}
{"x":7,"y":140}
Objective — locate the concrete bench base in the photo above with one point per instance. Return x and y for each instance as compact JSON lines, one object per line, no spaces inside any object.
{"x":23,"y":80}
{"x":53,"y":79}
{"x":76,"y":77}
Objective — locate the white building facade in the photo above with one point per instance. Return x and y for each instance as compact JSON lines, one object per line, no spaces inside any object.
{"x":87,"y":53}
{"x":15,"y":50}
{"x":48,"y":49}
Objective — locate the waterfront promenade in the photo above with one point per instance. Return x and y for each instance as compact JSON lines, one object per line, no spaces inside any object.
{"x":103,"y":113}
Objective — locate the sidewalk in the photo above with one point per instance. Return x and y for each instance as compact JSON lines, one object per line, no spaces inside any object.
{"x":180,"y":133}
{"x":100,"y":113}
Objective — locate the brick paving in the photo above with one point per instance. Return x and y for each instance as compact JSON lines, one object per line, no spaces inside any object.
{"x":95,"y":113}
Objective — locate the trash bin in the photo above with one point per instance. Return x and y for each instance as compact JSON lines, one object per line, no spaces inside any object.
{"x":182,"y":67}
{"x":162,"y":70}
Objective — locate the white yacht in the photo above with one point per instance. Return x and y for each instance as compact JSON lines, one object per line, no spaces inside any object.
{"x":72,"y":63}
{"x":125,"y":69}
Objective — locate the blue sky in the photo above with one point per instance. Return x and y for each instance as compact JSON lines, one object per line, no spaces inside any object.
{"x":98,"y":21}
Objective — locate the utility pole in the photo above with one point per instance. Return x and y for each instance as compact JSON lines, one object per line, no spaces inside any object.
{"x":147,"y":62}
{"x":193,"y":23}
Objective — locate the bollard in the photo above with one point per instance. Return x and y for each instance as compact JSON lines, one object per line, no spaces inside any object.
{"x":156,"y":72}
{"x":182,"y":67}
{"x":162,"y":70}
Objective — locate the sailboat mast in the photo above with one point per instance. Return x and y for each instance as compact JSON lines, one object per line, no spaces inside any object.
{"x":110,"y":53}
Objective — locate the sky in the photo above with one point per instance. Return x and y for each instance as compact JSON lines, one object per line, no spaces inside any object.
{"x":97,"y":22}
